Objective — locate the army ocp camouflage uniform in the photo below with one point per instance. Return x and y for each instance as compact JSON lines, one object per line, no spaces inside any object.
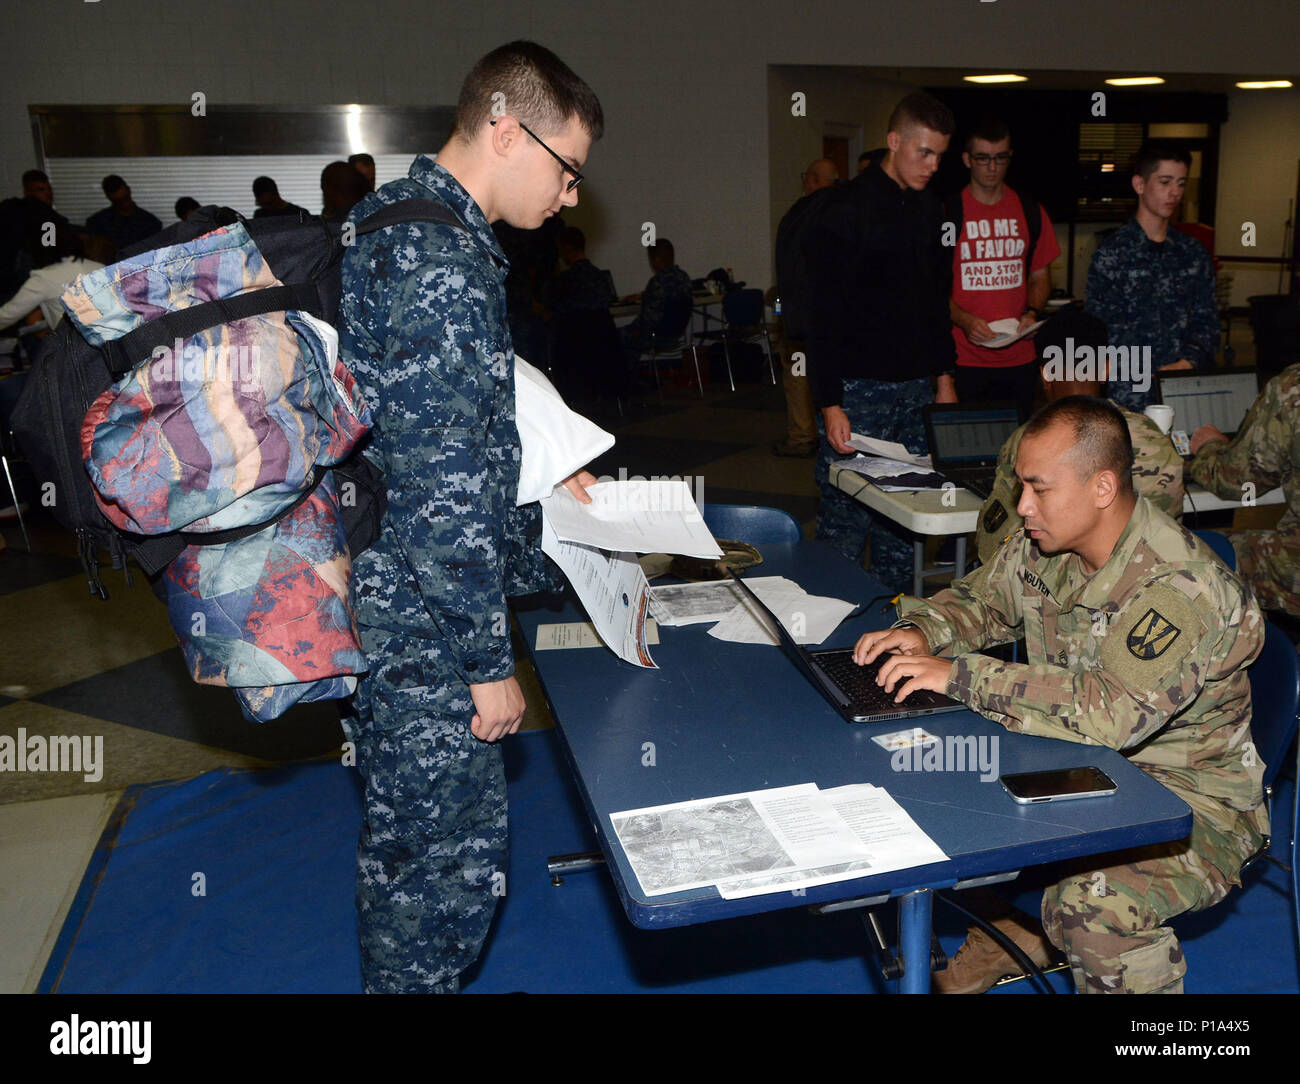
{"x":1146,"y":656}
{"x":1157,"y":475}
{"x":1265,"y":453}
{"x":1154,"y":295}
{"x":886,"y":411}
{"x":424,"y":330}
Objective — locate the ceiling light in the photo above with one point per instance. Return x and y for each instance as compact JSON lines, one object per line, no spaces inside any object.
{"x":1266,"y":84}
{"x":1008,"y":78}
{"x":1136,"y":81}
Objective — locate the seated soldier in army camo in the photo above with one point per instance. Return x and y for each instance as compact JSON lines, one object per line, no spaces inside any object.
{"x":1137,"y":638}
{"x":1157,"y":466}
{"x":1265,"y":453}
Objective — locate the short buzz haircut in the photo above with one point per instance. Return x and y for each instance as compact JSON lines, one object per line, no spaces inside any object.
{"x":35,"y":176}
{"x":112,"y":183}
{"x":989,"y":129}
{"x":1153,"y":152}
{"x":922,"y":110}
{"x":263,"y":186}
{"x":530,"y":83}
{"x":572,"y":238}
{"x":1101,"y":436}
{"x":361,"y":156}
{"x":663,"y":250}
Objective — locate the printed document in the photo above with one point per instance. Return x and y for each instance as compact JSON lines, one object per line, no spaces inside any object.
{"x":808,"y":618}
{"x":612,"y":589}
{"x":656,"y":515}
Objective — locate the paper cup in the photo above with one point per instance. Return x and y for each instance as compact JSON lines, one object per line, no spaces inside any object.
{"x":1163,"y":416}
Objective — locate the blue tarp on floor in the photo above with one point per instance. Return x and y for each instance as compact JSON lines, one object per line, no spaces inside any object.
{"x":274,"y":853}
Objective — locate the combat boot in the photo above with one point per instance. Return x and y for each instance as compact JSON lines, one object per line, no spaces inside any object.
{"x":981,"y":961}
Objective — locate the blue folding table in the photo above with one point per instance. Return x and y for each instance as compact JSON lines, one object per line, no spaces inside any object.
{"x":726,"y":718}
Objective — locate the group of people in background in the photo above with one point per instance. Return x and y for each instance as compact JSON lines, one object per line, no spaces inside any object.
{"x":1136,"y":635}
{"x":41,"y":251}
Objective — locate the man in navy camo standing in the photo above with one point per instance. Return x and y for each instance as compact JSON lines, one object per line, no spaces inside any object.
{"x":424,"y":328}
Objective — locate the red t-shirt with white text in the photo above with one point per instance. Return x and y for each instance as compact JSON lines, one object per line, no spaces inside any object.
{"x":988,"y":272}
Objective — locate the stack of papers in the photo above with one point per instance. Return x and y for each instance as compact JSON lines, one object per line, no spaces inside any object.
{"x":777,"y":840}
{"x":808,"y":618}
{"x":596,"y":545}
{"x":890,"y":466}
{"x":1005,"y":332}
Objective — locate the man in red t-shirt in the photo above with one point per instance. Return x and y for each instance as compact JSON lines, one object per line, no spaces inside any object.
{"x":996,"y":276}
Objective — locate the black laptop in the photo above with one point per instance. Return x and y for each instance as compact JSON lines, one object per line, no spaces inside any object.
{"x":851,"y":689}
{"x":965,"y":440}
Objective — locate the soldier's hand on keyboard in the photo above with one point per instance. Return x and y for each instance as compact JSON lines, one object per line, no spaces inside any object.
{"x":898,"y":641}
{"x":906,"y":674}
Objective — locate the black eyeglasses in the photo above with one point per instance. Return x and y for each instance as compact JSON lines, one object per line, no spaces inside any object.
{"x":576,"y":176}
{"x":984,"y":159}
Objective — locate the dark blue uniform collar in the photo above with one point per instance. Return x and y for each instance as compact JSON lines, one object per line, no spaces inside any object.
{"x":426,"y":172}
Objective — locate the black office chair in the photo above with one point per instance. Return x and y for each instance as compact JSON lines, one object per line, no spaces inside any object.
{"x":742,"y":322}
{"x":670,"y":339}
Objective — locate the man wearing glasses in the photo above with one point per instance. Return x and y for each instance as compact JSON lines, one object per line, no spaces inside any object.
{"x":424,"y":330}
{"x":1002,"y":250}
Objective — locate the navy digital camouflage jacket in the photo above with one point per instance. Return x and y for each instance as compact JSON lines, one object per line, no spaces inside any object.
{"x":423,"y":327}
{"x":1156,"y":295}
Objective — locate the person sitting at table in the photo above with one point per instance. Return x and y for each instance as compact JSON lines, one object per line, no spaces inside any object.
{"x":1265,"y":453}
{"x":1138,"y":638}
{"x":668,"y":283}
{"x":581,"y":286}
{"x":1157,"y":466}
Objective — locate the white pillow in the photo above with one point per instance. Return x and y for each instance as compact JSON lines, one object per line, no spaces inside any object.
{"x":556,"y":441}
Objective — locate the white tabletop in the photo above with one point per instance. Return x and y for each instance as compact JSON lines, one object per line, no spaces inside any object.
{"x":956,"y":511}
{"x":923,"y":511}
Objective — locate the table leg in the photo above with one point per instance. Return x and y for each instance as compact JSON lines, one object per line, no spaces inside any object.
{"x":914,"y":941}
{"x":918,"y":563}
{"x":960,"y":570}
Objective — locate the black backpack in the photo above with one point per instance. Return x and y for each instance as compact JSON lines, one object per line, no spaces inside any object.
{"x":953,"y":212}
{"x":791,"y":264}
{"x":305,"y":253}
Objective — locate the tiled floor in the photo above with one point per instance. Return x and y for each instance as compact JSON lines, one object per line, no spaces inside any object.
{"x":74,"y":666}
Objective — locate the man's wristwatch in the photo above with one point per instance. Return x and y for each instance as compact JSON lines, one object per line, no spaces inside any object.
{"x":1030,"y":308}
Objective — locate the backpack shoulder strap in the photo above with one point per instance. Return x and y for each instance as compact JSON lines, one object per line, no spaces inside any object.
{"x":122,"y":355}
{"x":410,"y":210}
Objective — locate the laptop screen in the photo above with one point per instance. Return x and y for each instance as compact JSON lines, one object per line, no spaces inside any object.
{"x":968,"y":437}
{"x":1217,"y":399}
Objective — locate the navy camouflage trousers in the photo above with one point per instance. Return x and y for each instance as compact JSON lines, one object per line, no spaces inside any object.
{"x":431,"y":859}
{"x":887,"y":411}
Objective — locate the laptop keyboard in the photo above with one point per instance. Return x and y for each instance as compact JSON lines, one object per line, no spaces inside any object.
{"x":859,"y":683}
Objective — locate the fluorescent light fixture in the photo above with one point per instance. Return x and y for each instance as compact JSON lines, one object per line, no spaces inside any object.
{"x":1108,"y":167}
{"x":1266,"y":84}
{"x":1136,"y":81}
{"x":1007,"y":78}
{"x":355,"y":144}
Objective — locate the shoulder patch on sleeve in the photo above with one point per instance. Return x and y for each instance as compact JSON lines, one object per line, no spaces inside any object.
{"x":994,"y":516}
{"x":1150,"y":637}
